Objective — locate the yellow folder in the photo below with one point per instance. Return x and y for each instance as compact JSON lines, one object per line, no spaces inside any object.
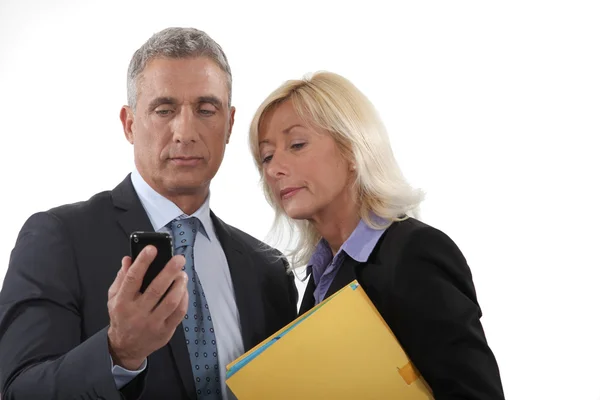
{"x":340,"y":349}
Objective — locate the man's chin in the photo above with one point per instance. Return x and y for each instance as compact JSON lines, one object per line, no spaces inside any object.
{"x":188,"y":187}
{"x":186,"y":191}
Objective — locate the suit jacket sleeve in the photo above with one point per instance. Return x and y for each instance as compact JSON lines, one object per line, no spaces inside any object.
{"x":41,"y":350}
{"x":438,"y":319}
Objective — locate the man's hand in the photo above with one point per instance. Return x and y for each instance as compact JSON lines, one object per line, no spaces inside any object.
{"x":139,"y":325}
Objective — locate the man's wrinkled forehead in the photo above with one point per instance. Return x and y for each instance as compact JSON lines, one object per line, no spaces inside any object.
{"x":193,"y":77}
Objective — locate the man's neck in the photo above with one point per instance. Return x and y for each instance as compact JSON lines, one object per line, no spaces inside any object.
{"x":188,"y":203}
{"x":188,"y":200}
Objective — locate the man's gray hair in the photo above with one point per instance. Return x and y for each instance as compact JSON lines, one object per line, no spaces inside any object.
{"x":175,"y":43}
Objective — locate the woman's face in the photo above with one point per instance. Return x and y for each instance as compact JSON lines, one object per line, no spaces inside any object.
{"x":303,"y":166}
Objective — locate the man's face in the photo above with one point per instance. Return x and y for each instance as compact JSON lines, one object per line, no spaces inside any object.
{"x":181,"y":124}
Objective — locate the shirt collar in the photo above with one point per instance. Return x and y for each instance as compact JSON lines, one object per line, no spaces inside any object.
{"x":359,"y":245}
{"x":161,"y":211}
{"x":363,"y":240}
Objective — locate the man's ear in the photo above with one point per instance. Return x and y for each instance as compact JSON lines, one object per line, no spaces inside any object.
{"x":231,"y":121}
{"x":127,"y":118}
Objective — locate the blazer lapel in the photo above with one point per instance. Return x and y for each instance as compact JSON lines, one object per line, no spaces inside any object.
{"x":374,"y":279}
{"x":246,"y":286}
{"x":343,"y":277}
{"x":182,"y":361}
{"x":134,"y":218}
{"x":308,"y":300}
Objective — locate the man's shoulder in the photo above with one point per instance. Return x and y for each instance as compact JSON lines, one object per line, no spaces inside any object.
{"x":76,"y":219}
{"x":92,"y":207}
{"x":250,"y":240}
{"x":252,"y":244}
{"x":99,"y":206}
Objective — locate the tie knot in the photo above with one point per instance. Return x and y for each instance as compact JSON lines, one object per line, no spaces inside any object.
{"x":184,"y":231}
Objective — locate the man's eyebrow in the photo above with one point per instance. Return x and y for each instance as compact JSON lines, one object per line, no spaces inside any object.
{"x":159,"y":101}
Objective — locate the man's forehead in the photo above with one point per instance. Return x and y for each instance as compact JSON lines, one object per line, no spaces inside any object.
{"x":186,"y":77}
{"x":185,"y":70}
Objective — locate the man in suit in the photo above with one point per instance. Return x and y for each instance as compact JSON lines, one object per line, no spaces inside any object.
{"x":74,"y":324}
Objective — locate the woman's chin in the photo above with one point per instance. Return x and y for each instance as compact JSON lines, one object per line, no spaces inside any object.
{"x":297,"y":213}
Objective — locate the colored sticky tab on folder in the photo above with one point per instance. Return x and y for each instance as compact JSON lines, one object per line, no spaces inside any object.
{"x":340,"y":349}
{"x":409,"y":373}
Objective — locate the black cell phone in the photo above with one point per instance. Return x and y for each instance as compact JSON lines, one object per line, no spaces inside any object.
{"x":164,"y":246}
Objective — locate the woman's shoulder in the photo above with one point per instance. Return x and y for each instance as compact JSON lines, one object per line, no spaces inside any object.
{"x":408,"y":227}
{"x":417,"y":235}
{"x":418,"y":249}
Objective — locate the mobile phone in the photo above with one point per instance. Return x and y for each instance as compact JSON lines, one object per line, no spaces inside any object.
{"x":164,"y":246}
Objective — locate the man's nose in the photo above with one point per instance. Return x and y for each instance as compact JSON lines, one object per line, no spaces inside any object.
{"x":184,"y":126}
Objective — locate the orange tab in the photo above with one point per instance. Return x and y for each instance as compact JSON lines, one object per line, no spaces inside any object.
{"x":408,"y":373}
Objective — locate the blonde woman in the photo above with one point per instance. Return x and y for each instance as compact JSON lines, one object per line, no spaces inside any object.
{"x":328,"y":168}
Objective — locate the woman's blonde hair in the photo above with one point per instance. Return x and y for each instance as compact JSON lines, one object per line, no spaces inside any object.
{"x":334,"y":104}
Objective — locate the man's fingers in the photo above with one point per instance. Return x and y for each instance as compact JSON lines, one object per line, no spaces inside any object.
{"x":132,"y":279}
{"x":161,"y":283}
{"x":173,"y":298}
{"x":177,"y":315}
{"x":116,"y":285}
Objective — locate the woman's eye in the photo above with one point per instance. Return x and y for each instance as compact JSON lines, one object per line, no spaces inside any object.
{"x":298,"y":145}
{"x":266,"y":159}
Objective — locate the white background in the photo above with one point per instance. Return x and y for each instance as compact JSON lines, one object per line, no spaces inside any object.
{"x":492,"y":108}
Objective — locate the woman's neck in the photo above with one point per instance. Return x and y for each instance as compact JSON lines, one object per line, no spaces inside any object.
{"x":336,"y":224}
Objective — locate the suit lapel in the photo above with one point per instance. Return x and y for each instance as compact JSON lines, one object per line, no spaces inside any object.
{"x":246,"y":286}
{"x":132,"y":218}
{"x":345,"y":274}
{"x":308,"y":300}
{"x":182,"y":361}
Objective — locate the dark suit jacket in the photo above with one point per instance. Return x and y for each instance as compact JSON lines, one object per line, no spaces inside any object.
{"x":421,"y":284}
{"x":53,"y":304}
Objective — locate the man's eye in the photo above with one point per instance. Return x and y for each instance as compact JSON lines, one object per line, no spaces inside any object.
{"x":164,"y":112}
{"x":207,"y":112}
